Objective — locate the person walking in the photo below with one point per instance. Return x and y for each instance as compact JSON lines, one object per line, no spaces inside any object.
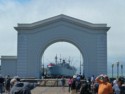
{"x":115,"y":87}
{"x":120,"y":82}
{"x":1,"y":84}
{"x":78,"y":83}
{"x":73,"y":85}
{"x":69,"y":83}
{"x":7,"y":84}
{"x":92,"y":79}
{"x":63,"y":82}
{"x":84,"y":88}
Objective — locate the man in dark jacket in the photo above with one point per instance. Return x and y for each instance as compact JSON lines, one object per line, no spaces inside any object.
{"x":121,"y":85}
{"x":7,"y":84}
{"x":21,"y":87}
{"x":85,"y":89}
{"x":1,"y":84}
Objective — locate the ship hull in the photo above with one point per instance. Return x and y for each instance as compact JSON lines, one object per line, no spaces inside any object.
{"x":61,"y":71}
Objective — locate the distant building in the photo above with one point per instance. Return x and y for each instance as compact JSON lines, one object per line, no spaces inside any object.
{"x":9,"y":65}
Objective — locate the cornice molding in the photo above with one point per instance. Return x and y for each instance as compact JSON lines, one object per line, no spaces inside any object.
{"x":64,"y":18}
{"x":8,"y":57}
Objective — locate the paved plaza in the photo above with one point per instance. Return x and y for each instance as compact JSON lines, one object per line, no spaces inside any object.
{"x":50,"y":90}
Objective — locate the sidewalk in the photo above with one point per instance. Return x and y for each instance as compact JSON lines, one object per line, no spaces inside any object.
{"x":50,"y":90}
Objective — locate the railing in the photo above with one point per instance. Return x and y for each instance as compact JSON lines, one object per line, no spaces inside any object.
{"x":47,"y":82}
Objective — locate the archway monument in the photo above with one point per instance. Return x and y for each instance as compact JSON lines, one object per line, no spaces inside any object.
{"x":34,"y":38}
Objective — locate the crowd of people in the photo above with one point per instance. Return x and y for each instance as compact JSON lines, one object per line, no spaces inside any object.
{"x":76,"y":85}
{"x":15,"y":86}
{"x":96,"y":85}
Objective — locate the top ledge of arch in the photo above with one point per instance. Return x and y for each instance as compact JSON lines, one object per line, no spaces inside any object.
{"x":8,"y":57}
{"x":61,"y":17}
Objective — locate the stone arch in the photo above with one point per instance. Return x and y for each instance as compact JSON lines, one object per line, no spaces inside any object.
{"x":90,"y":39}
{"x":61,"y":40}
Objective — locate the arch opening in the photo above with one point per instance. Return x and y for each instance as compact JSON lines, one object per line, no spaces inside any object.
{"x":59,"y":51}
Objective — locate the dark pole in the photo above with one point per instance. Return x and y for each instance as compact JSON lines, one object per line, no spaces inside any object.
{"x":43,"y":69}
{"x":46,"y":71}
{"x":83,"y":68}
{"x":121,"y":70}
{"x":42,"y":66}
{"x":56,"y":59}
{"x":80,"y":67}
{"x":117,"y":69}
{"x":112,"y":69}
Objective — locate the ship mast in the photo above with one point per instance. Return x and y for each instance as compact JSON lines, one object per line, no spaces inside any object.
{"x":69,"y":61}
{"x":56,"y":59}
{"x":60,"y":58}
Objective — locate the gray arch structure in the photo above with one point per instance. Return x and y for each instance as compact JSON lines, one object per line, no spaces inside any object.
{"x":89,"y":38}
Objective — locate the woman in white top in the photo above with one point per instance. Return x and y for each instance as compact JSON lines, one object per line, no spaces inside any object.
{"x":116,"y":87}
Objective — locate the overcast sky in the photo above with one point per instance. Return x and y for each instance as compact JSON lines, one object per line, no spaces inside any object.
{"x":111,"y":12}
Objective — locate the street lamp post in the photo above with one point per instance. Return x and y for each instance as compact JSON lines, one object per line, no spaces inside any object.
{"x":43,"y":69}
{"x":80,"y":68}
{"x":121,"y":70}
{"x":112,"y":69}
{"x":117,"y":69}
{"x":83,"y":66}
